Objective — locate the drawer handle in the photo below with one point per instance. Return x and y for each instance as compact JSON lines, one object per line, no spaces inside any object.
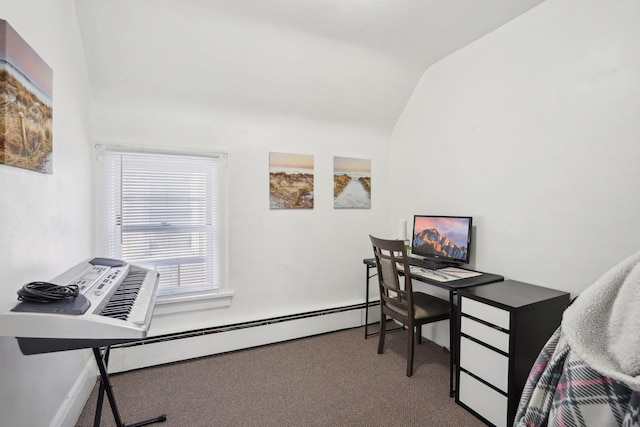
{"x":484,"y":322}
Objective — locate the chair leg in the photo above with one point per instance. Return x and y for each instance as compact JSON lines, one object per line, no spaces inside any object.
{"x":419,"y":331}
{"x":410,"y":353}
{"x":383,"y":328}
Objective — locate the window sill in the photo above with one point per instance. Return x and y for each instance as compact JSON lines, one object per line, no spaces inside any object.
{"x":169,"y":304}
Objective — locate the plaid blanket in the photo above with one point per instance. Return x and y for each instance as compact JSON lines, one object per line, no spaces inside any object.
{"x":563,"y":391}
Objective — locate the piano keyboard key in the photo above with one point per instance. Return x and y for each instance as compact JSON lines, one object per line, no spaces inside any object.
{"x":131,"y":300}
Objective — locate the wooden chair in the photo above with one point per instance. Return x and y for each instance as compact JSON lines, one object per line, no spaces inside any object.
{"x":411,"y":309}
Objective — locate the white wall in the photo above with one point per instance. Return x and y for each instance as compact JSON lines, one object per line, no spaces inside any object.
{"x":281,"y":261}
{"x":46,"y":220}
{"x":533,"y":130}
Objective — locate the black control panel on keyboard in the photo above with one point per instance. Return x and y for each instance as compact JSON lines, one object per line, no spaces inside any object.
{"x":427,"y":263}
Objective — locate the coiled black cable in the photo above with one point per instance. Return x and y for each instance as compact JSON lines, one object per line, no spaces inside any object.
{"x":47,"y":292}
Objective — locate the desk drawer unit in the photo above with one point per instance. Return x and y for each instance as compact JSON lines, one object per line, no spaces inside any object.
{"x":501,"y":329}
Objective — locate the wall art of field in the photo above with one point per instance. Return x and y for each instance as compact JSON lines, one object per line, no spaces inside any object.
{"x":290,"y":190}
{"x":28,"y":144}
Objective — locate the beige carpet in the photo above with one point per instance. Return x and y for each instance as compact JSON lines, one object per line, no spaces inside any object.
{"x":335,"y":379}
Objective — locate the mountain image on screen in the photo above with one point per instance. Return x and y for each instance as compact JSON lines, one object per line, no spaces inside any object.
{"x":431,"y":241}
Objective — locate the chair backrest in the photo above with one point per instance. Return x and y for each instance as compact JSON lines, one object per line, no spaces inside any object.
{"x":391,"y":258}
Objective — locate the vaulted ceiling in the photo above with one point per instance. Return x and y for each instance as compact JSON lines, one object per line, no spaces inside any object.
{"x":346,"y":61}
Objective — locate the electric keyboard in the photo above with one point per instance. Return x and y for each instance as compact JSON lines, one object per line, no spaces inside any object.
{"x":114,"y":305}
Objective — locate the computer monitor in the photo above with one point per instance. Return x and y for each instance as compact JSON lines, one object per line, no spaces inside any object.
{"x":444,"y":239}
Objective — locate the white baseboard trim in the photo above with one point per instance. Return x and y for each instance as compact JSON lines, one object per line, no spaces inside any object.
{"x":72,"y":407}
{"x":127,"y":358}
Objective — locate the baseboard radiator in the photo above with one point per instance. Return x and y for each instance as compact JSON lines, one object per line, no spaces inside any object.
{"x":163,"y":349}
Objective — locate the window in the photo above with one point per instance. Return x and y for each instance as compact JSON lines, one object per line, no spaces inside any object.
{"x":165,"y":212}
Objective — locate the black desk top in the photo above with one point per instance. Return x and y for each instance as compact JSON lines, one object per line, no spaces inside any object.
{"x":514,"y":294}
{"x":483,"y":279}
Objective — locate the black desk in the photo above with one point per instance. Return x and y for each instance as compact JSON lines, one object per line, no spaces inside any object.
{"x":452,"y":287}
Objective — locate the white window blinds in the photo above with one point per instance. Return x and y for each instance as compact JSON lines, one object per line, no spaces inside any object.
{"x":162,"y":211}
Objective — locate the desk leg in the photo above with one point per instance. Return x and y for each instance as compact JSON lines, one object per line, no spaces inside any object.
{"x":452,"y":340}
{"x":366,"y":305}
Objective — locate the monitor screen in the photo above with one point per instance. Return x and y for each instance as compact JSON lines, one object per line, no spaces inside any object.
{"x":443,"y":238}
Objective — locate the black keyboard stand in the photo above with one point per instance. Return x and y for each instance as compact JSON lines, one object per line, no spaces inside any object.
{"x":102,"y":359}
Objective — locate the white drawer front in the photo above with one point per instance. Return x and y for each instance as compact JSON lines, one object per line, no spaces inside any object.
{"x":485,"y":312}
{"x":485,"y":363}
{"x":484,"y":333}
{"x":484,"y":400}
